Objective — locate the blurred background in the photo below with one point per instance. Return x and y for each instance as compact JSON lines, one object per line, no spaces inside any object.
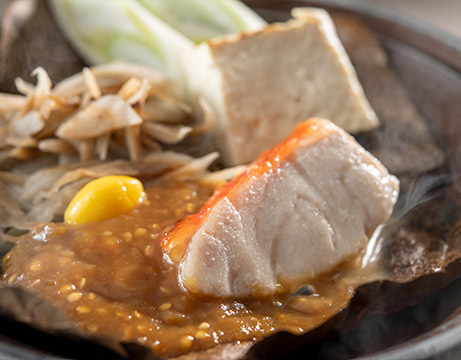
{"x":445,"y":14}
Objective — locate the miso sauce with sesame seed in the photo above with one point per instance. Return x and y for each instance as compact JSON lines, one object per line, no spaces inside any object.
{"x":111,"y":278}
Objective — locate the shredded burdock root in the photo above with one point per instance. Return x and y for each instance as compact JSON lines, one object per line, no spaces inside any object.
{"x":112,"y":119}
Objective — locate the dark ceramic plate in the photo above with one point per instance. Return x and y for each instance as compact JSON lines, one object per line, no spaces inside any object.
{"x":428,"y":62}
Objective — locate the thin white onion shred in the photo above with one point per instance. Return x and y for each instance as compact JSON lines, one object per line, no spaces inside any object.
{"x":91,"y":83}
{"x":111,"y":119}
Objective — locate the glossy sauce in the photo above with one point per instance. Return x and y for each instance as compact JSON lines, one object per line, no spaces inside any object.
{"x":111,"y":277}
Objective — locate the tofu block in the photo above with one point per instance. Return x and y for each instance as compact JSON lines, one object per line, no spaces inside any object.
{"x":261,"y":84}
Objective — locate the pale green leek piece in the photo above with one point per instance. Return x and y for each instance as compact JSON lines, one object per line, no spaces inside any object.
{"x":201,"y":20}
{"x":103,"y":30}
{"x":150,"y":32}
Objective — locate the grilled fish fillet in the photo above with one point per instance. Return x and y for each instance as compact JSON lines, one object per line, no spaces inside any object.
{"x":300,"y":209}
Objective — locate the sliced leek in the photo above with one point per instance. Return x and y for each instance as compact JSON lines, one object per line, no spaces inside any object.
{"x":201,"y":20}
{"x":150,"y":32}
{"x":102,"y":31}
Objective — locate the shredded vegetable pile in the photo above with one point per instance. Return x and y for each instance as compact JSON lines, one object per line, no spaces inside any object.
{"x":119,"y":118}
{"x":116,"y":118}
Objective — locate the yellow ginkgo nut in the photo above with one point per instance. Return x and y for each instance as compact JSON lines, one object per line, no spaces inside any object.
{"x":104,"y":198}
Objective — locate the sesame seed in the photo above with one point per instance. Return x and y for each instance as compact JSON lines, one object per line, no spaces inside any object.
{"x":204,"y":325}
{"x":140,"y":231}
{"x":75,"y":296}
{"x":107,"y":233}
{"x":149,"y":250}
{"x":83,"y":309}
{"x":190,"y":207}
{"x":91,"y":296}
{"x":186,"y":341}
{"x":82,"y":283}
{"x":35,"y":282}
{"x":165,"y":306}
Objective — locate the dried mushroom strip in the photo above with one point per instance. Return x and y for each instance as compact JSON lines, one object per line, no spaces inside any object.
{"x":107,"y":111}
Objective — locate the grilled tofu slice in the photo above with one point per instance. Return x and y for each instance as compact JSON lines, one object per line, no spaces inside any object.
{"x":299,"y":210}
{"x":261,"y":84}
